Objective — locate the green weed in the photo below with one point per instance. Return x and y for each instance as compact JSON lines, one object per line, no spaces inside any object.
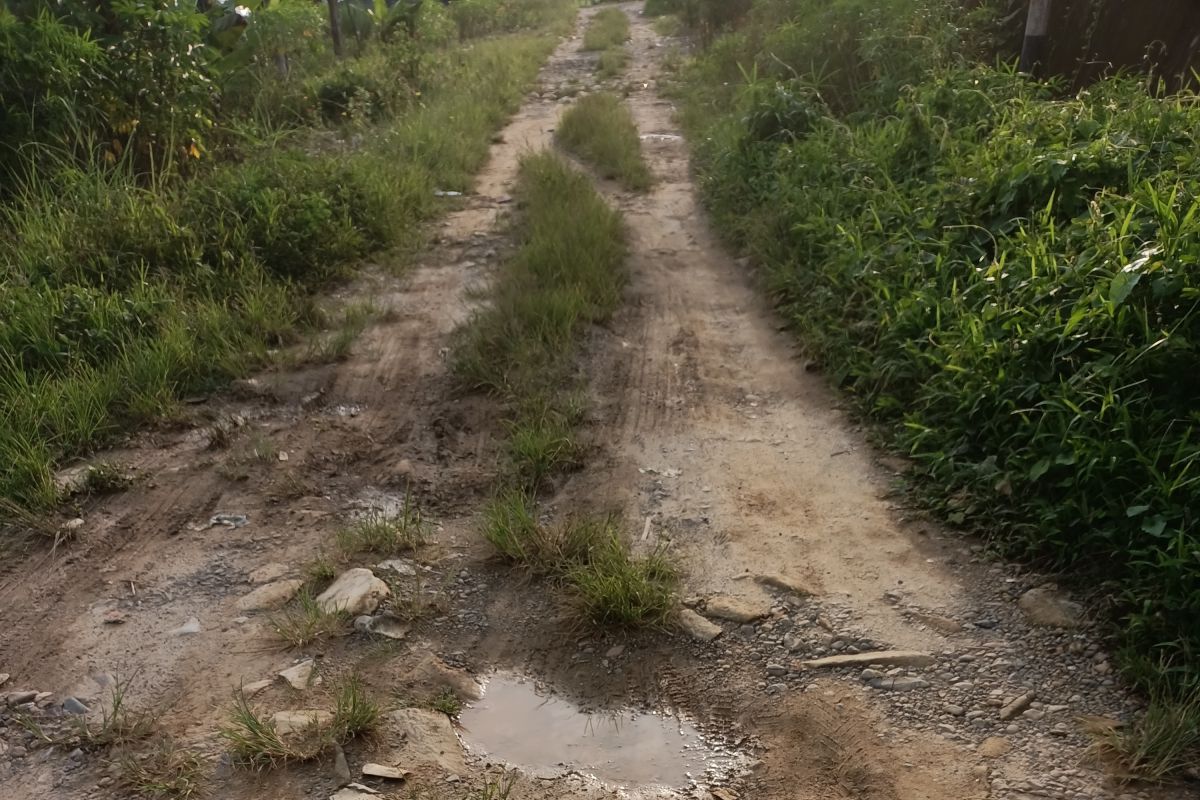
{"x":105,"y":477}
{"x":447,"y":702}
{"x":166,"y":771}
{"x":608,"y":28}
{"x":304,"y":621}
{"x":612,"y":62}
{"x":615,"y":588}
{"x":254,"y":742}
{"x":356,"y":713}
{"x":600,"y":130}
{"x":383,"y":533}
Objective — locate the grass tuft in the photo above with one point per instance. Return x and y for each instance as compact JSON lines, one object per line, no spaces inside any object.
{"x":447,"y":702}
{"x":253,"y":740}
{"x":608,"y":28}
{"x":166,"y":771}
{"x":612,"y":62}
{"x":356,"y":713}
{"x":600,"y":130}
{"x":616,"y":589}
{"x":1164,"y":742}
{"x":304,"y":621}
{"x":385,"y":534}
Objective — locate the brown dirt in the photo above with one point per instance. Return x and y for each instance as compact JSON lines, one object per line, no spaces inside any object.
{"x":704,"y":422}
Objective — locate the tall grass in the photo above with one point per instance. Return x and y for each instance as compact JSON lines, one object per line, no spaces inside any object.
{"x":600,"y":130}
{"x":608,"y":28}
{"x":122,"y":291}
{"x":998,"y":275}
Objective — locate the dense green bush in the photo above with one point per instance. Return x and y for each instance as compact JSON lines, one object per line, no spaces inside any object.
{"x":1005,"y":278}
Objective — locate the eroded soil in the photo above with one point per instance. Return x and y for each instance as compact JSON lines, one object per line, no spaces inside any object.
{"x":706,"y":433}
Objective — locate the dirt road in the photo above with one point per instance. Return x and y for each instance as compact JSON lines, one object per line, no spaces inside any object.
{"x":707,"y":434}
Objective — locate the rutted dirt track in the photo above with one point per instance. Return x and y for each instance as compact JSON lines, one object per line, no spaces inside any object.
{"x":707,"y":434}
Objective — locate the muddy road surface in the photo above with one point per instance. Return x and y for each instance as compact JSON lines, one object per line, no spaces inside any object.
{"x":831,"y":643}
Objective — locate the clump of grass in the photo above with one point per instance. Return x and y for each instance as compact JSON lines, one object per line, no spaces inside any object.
{"x":304,"y":621}
{"x":600,"y":130}
{"x":319,"y":573}
{"x":608,"y":28}
{"x":511,"y":525}
{"x":612,"y":62}
{"x":166,"y":771}
{"x":349,"y":325}
{"x":615,"y":588}
{"x":447,"y":702}
{"x":383,"y":533}
{"x":1164,"y":742}
{"x":254,"y":742}
{"x":105,"y":477}
{"x":499,"y":787}
{"x":356,"y":713}
{"x":540,"y":445}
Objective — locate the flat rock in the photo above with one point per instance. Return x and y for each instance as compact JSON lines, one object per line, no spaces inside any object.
{"x":300,"y":676}
{"x":994,"y":747}
{"x":270,"y":595}
{"x":1046,"y":607}
{"x":269,"y":572}
{"x":20,"y":698}
{"x":899,"y":683}
{"x":251,"y":689}
{"x":736,"y":609}
{"x":192,"y":626}
{"x":355,"y":791}
{"x":4,"y":676}
{"x":400,"y":566}
{"x":434,"y":675}
{"x":697,"y":626}
{"x":384,"y":771}
{"x":890,"y":658}
{"x":785,"y":583}
{"x":937,"y":622}
{"x":341,"y":767}
{"x":429,"y":740}
{"x":356,"y":591}
{"x":383,"y":625}
{"x":292,"y":722}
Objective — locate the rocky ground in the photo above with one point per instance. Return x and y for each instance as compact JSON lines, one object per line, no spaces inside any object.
{"x":831,"y":643}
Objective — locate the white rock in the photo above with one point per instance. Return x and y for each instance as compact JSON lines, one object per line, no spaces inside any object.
{"x":186,"y":629}
{"x":300,"y":676}
{"x":697,"y":626}
{"x":382,"y":771}
{"x":355,"y":791}
{"x":270,"y":595}
{"x":356,"y":591}
{"x":889,"y":658}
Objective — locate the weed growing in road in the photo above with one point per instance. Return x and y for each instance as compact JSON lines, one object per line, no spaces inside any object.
{"x":383,"y":533}
{"x":254,"y":742}
{"x":304,"y":621}
{"x":600,"y":130}
{"x":499,"y":787}
{"x":609,"y":28}
{"x":1163,"y":742}
{"x":447,"y":702}
{"x":319,"y":573}
{"x":105,"y":477}
{"x":511,"y":525}
{"x":612,"y":62}
{"x":616,"y":588}
{"x":167,"y":771}
{"x":335,"y":346}
{"x":356,"y":713}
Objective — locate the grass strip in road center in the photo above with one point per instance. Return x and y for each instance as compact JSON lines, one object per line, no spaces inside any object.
{"x":600,"y":130}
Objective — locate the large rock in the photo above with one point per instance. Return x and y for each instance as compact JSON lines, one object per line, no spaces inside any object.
{"x":1044,"y":606}
{"x":889,"y":658}
{"x":697,"y":626}
{"x":356,"y":591}
{"x":429,"y":740}
{"x":736,"y":609}
{"x":270,"y":595}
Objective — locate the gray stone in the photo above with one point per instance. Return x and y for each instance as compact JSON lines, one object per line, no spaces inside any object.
{"x":188,"y":628}
{"x":428,"y":740}
{"x":383,"y":771}
{"x":300,"y":676}
{"x":19,"y":698}
{"x":73,"y":706}
{"x":341,"y":767}
{"x":1046,"y":607}
{"x":953,"y":710}
{"x":890,"y":658}
{"x":785,"y":584}
{"x":356,"y":591}
{"x":251,"y":689}
{"x":776,"y":669}
{"x":382,"y":625}
{"x":269,"y":572}
{"x":1017,"y":705}
{"x":355,"y":791}
{"x":697,"y":626}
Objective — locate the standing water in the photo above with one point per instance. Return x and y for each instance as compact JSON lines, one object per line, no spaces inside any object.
{"x":536,"y":731}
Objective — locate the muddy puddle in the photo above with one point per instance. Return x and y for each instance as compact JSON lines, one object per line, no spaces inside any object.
{"x":526,"y":726}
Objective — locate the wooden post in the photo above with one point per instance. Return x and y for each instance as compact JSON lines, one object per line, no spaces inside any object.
{"x":1037,"y":36}
{"x":335,"y":27}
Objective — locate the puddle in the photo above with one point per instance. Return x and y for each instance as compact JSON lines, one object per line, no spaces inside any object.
{"x":534,"y":730}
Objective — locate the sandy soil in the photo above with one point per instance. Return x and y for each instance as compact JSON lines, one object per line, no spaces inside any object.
{"x":707,"y":433}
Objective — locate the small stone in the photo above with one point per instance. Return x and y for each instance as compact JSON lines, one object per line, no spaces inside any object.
{"x":785,"y":584}
{"x":776,"y":670}
{"x":251,"y":689}
{"x":73,"y":706}
{"x":355,"y":791}
{"x":300,"y":676}
{"x":697,"y":626}
{"x":1044,"y":606}
{"x":1015,"y":706}
{"x":382,"y":771}
{"x":341,"y":767}
{"x":736,"y":609}
{"x":114,"y":617}
{"x":398,"y":565}
{"x":953,"y":710}
{"x":870,"y":674}
{"x":1033,"y":714}
{"x":356,"y":591}
{"x":269,"y":572}
{"x":4,"y":676}
{"x":383,"y":625}
{"x":192,"y":626}
{"x":19,"y":698}
{"x":615,"y":651}
{"x":994,"y":747}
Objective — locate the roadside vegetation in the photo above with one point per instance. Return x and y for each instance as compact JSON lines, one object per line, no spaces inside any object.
{"x":567,"y":274}
{"x":1001,"y":275}
{"x":608,"y":28}
{"x":174,"y":185}
{"x":612,"y":62}
{"x":599,"y":129}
